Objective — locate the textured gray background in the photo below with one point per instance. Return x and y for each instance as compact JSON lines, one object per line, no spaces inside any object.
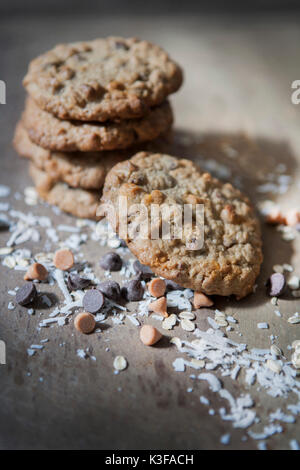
{"x":156,"y":7}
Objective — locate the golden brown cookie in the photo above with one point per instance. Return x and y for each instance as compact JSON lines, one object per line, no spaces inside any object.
{"x":79,"y":202}
{"x":229,"y":259}
{"x":79,"y":170}
{"x":104,"y":79}
{"x":54,"y":134}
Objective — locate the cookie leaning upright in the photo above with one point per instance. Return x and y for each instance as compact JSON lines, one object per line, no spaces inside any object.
{"x":104,"y":79}
{"x":229,"y":260}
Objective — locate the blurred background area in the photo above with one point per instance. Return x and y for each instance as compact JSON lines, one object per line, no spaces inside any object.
{"x":35,"y":7}
{"x":239,"y":57}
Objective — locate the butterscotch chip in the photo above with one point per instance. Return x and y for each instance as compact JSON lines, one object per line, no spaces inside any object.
{"x":63,"y":259}
{"x":36,"y":271}
{"x":26,"y":294}
{"x":201,"y":300}
{"x":85,"y":322}
{"x":157,"y":287}
{"x":149,"y":335}
{"x":159,"y":306}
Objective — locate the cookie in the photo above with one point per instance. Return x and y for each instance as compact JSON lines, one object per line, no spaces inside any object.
{"x":104,"y":79}
{"x":78,"y":170}
{"x":57,"y":135}
{"x":229,"y":260}
{"x":82,"y":203}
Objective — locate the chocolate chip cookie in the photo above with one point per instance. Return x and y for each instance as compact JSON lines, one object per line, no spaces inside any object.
{"x":104,"y":79}
{"x":229,"y":259}
{"x":78,"y":170}
{"x":60,"y":135}
{"x":79,"y":202}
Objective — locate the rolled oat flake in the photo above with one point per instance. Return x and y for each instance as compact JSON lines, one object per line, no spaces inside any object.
{"x":120,"y":363}
{"x":111,"y":289}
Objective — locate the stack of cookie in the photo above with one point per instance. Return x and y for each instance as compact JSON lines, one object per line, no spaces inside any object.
{"x":90,"y":106}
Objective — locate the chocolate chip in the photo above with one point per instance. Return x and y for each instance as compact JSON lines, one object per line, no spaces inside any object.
{"x":133,"y":291}
{"x":110,"y":289}
{"x":122,"y":243}
{"x":111,"y":262}
{"x":144,"y":272}
{"x":77,"y":282}
{"x":93,"y":300}
{"x":276,"y":284}
{"x":4,"y":225}
{"x":26,"y":294}
{"x":171,"y":285}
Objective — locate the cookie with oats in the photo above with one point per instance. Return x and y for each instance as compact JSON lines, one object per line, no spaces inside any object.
{"x":104,"y":79}
{"x":61,"y":135}
{"x":79,"y":202}
{"x":78,"y":170}
{"x":229,"y":259}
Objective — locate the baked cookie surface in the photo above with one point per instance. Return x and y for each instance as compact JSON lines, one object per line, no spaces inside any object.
{"x":47,"y":131}
{"x":229,"y":260}
{"x":79,"y":202}
{"x":103,"y":79}
{"x":78,"y":170}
